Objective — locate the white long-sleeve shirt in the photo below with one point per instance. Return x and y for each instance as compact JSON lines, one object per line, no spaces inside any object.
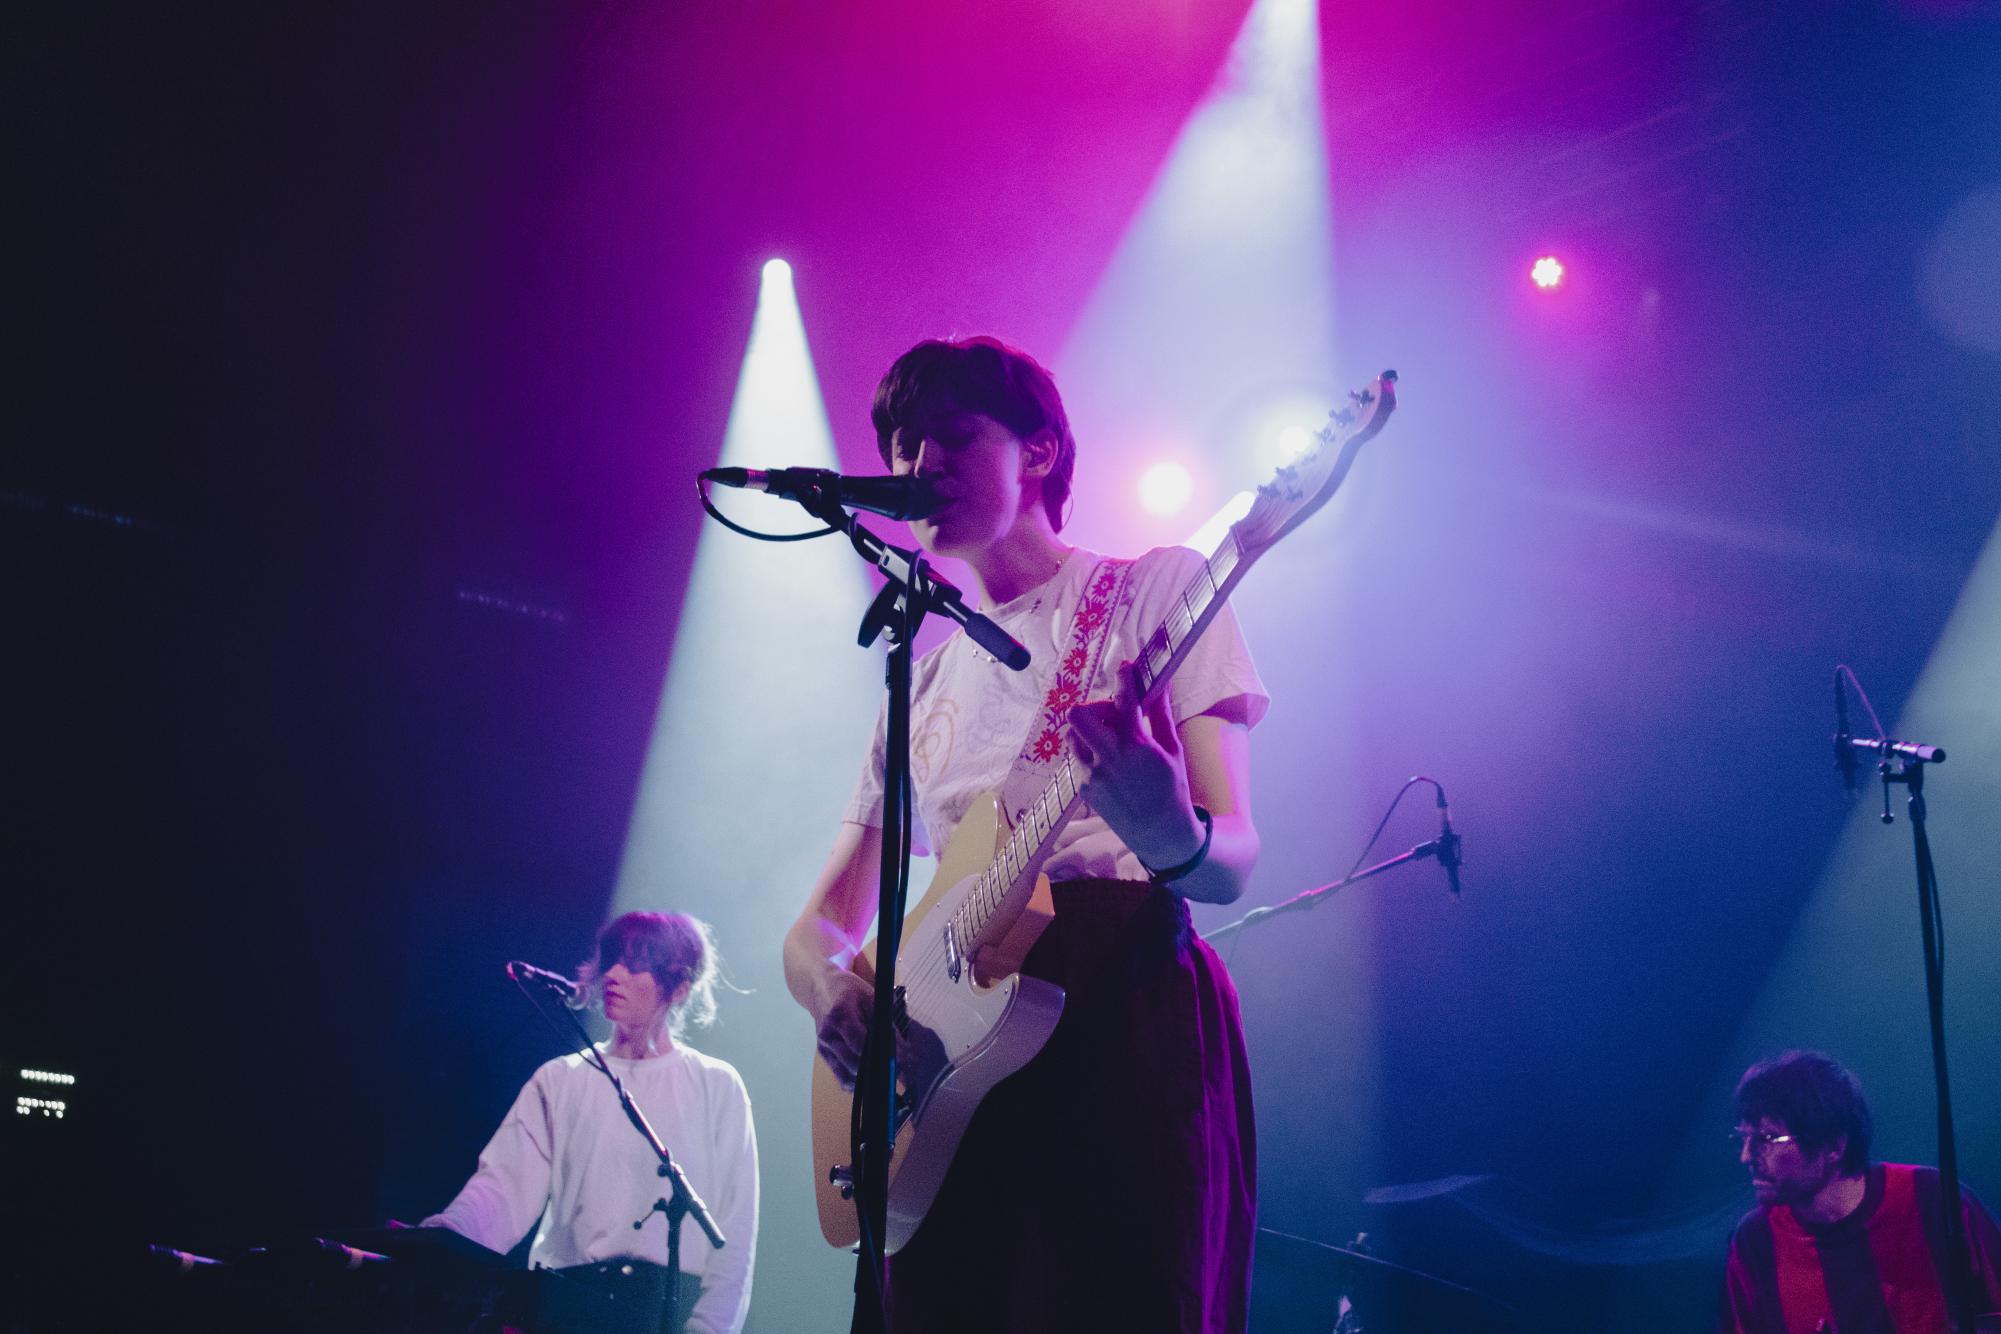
{"x":566,"y":1155}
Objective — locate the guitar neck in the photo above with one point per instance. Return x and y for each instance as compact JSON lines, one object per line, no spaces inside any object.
{"x":1162,"y":654}
{"x":1169,"y":644}
{"x":1297,"y":491}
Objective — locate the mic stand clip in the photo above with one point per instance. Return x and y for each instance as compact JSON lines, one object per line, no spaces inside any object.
{"x":1909,"y":769}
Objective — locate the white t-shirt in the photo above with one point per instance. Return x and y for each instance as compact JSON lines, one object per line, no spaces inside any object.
{"x":970,"y":716}
{"x":567,"y":1155}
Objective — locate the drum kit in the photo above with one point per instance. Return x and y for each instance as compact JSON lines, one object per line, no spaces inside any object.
{"x":1303,"y":1286}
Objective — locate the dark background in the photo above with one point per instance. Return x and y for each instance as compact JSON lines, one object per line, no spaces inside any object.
{"x":362,"y":357}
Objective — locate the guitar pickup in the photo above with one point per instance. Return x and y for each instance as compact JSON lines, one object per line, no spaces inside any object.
{"x":953,"y":959}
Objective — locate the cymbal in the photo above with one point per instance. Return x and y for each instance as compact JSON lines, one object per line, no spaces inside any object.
{"x":1300,"y":1282}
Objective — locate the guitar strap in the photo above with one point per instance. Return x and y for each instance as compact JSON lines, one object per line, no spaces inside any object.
{"x":1105,"y":593}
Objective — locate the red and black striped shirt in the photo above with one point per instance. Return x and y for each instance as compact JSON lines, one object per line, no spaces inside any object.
{"x":1876,"y":1271}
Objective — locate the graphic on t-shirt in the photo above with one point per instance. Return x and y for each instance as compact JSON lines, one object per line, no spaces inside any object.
{"x":931,"y":740}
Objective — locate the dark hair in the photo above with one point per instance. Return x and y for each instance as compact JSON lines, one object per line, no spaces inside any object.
{"x":1814,"y":1097}
{"x":986,"y":376}
{"x":672,"y":946}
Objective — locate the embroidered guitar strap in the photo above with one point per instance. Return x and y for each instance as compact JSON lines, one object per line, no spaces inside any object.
{"x":1090,"y":629}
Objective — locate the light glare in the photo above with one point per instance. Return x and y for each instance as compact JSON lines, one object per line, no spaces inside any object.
{"x":1547,"y":272}
{"x":1165,"y":488}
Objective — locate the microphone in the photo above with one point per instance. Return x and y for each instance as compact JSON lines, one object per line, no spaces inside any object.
{"x":556,"y":982}
{"x":906,"y":497}
{"x":1448,"y":844}
{"x":1844,"y":753}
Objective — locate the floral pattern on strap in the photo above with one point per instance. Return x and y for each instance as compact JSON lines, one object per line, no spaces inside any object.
{"x":1094,"y":613}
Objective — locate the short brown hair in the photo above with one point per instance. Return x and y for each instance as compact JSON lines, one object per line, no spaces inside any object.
{"x":1814,"y":1097}
{"x":986,"y":376}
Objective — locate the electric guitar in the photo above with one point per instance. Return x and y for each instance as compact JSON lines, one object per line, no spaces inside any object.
{"x":969,"y":1019}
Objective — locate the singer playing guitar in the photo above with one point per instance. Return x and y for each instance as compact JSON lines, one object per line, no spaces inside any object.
{"x":1110,"y":1183}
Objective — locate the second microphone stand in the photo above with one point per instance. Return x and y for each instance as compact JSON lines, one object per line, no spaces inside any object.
{"x":1445,"y":848}
{"x":1307,"y":898}
{"x":1904,"y":763}
{"x":681,"y":1201}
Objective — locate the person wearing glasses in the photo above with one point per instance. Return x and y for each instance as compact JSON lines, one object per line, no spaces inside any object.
{"x":1837,"y":1242}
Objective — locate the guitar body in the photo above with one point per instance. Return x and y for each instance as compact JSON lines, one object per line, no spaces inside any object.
{"x":963,"y":1036}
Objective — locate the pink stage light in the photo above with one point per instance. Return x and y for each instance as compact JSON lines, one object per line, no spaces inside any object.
{"x":1165,"y":489}
{"x":1547,"y":272}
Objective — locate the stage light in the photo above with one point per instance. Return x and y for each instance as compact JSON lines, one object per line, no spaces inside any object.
{"x":1221,"y":291}
{"x":1547,"y":272}
{"x":1275,"y":430}
{"x":1165,"y":488}
{"x":776,"y":272}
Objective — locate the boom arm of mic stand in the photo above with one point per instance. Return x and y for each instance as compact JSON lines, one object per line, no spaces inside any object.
{"x":1307,"y":898}
{"x":1910,"y":752}
{"x":937,"y":594}
{"x":670,"y":1169}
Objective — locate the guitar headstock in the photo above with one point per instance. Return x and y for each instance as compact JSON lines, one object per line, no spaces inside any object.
{"x":1309,"y":481}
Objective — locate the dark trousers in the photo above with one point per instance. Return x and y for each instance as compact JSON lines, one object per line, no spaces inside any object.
{"x":1111,"y":1183}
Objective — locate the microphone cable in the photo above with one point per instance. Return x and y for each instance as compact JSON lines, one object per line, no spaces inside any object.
{"x":702,"y":493}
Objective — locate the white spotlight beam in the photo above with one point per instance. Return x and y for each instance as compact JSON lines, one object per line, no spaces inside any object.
{"x":1215,"y":313}
{"x":765,"y":715}
{"x":766,"y":707}
{"x":1221,"y":289}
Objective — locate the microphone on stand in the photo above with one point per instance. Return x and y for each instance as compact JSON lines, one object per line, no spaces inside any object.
{"x":556,"y":982}
{"x":906,"y":497}
{"x":1448,"y":844}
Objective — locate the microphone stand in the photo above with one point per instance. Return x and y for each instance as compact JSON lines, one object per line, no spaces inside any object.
{"x":1443,"y":847}
{"x":1904,"y":763}
{"x":681,"y":1201}
{"x":910,"y":592}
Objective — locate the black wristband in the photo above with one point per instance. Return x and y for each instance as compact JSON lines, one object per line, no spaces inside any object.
{"x":1174,"y":873}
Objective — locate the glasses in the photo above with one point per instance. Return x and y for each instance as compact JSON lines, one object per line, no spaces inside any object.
{"x":1761,"y":1140}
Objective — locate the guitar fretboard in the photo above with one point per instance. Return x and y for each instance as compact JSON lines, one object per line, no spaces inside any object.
{"x":1052,"y":808}
{"x":1282,"y":504}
